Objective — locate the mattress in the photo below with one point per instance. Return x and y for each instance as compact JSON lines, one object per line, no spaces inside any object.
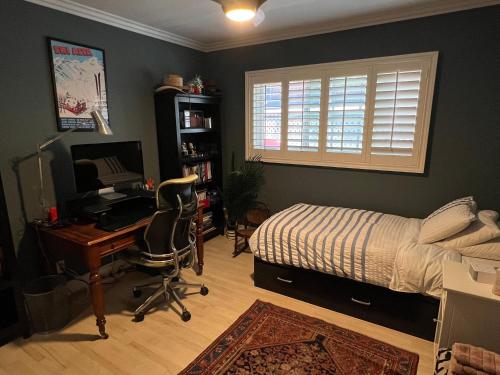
{"x":362,"y":245}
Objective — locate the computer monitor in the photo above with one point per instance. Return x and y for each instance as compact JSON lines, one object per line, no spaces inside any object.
{"x":103,"y":165}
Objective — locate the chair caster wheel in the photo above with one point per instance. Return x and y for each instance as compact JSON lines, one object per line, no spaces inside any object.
{"x":137,"y":293}
{"x":139,"y":318}
{"x":185,"y":316}
{"x":204,"y":291}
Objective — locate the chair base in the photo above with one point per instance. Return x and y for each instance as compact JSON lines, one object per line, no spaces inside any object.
{"x":167,"y":289}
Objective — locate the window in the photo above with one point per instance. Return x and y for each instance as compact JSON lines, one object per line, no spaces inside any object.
{"x":303,"y":115}
{"x":346,"y":114}
{"x":395,"y":115}
{"x":266,"y":123}
{"x":367,"y":114}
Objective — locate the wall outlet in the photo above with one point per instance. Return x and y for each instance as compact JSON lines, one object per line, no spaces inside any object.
{"x":60,"y":266}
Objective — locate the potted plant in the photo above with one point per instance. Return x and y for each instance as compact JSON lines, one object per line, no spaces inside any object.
{"x":196,"y":85}
{"x":242,"y":189}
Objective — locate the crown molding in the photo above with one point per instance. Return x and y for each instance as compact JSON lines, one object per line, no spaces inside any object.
{"x":97,"y":15}
{"x":441,"y":7}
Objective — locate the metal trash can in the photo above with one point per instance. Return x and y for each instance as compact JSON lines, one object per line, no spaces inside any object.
{"x":47,"y":303}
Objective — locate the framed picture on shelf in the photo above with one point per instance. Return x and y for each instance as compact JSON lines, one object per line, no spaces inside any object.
{"x":192,"y":119}
{"x":79,"y":81}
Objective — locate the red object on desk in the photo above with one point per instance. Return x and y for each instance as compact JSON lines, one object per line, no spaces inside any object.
{"x":150,"y":184}
{"x":53,"y":214}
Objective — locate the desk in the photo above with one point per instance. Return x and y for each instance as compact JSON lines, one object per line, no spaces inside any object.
{"x":84,"y":242}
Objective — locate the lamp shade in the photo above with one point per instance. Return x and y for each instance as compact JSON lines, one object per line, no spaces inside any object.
{"x":101,"y":123}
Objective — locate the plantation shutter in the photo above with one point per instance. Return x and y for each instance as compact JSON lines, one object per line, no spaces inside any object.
{"x":304,"y":99}
{"x":367,"y":114}
{"x":397,"y":97}
{"x":346,"y":114}
{"x":266,"y":123}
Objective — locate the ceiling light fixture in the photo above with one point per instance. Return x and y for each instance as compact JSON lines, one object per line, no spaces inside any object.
{"x":240,"y":10}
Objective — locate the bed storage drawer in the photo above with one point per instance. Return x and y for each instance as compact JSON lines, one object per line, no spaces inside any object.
{"x":285,"y":280}
{"x":410,"y":313}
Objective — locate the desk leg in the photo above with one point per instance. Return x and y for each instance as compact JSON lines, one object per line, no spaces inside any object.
{"x":96,"y":291}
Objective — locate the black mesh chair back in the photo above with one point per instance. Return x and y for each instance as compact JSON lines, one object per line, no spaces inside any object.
{"x":171,"y":228}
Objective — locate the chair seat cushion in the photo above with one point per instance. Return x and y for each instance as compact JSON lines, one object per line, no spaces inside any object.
{"x":139,"y":260}
{"x":134,"y":256}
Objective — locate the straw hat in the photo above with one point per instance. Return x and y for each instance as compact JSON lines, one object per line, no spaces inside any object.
{"x":171,"y":81}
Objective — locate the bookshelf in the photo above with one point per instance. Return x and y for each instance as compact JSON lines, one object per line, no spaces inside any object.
{"x":181,"y":120}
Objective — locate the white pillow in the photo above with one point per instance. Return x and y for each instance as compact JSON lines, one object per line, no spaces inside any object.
{"x":481,"y":230}
{"x":447,"y":220}
{"x":487,"y":250}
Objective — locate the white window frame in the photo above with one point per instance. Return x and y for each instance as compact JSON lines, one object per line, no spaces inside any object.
{"x":426,"y":62}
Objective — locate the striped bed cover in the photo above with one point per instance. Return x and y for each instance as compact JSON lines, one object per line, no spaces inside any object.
{"x":353,"y":243}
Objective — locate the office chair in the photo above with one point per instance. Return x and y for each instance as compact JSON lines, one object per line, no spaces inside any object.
{"x":169,"y":243}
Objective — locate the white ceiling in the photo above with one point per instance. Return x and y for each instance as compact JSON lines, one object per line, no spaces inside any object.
{"x":201,"y":23}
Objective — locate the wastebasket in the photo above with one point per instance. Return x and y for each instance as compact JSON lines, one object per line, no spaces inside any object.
{"x":47,"y":303}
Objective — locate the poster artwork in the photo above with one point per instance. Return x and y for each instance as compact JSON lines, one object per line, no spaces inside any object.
{"x":79,"y":78}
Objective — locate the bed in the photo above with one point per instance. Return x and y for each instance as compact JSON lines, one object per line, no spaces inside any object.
{"x":366,"y":246}
{"x":365,"y":260}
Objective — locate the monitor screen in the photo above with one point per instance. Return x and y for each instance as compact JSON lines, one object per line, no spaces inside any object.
{"x":102,"y":165}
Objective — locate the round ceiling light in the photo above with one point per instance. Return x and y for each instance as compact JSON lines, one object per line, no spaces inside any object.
{"x":240,"y":15}
{"x":240,"y":10}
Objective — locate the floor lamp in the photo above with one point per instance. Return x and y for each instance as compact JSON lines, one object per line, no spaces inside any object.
{"x":102,"y":127}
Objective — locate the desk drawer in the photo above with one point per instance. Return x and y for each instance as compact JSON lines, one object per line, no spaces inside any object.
{"x":117,"y":244}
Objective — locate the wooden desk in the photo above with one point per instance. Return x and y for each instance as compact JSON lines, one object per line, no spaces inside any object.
{"x":84,"y":242}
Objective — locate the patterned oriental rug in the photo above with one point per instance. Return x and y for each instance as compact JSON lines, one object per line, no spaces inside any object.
{"x":268,"y":339}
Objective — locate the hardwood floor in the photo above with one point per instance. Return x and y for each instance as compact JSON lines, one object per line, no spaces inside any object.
{"x":162,"y":343}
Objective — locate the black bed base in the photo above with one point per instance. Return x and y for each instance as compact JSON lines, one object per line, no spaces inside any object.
{"x":406,"y":312}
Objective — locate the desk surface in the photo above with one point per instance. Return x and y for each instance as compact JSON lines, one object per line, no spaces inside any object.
{"x":86,"y":234}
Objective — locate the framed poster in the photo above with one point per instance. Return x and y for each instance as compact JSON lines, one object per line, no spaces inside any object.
{"x":79,"y":80}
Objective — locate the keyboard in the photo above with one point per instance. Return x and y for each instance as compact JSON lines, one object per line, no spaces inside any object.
{"x":126,"y":213}
{"x":113,"y":196}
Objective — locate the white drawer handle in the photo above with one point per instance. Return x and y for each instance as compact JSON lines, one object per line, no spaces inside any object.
{"x":436,"y":320}
{"x":284,"y":280}
{"x":360,"y":302}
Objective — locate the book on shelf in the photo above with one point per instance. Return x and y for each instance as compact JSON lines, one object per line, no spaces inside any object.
{"x":209,"y":229}
{"x":207,"y":216}
{"x":203,"y":170}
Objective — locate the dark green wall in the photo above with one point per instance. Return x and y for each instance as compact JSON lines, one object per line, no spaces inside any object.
{"x":464,"y":148}
{"x":134,"y":65}
{"x":464,"y":152}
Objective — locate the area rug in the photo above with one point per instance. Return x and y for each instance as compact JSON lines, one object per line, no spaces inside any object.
{"x":268,"y":339}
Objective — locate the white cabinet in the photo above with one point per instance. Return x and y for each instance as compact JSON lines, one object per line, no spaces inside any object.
{"x":469,"y":312}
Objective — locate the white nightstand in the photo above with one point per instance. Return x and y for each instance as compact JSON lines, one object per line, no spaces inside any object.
{"x":469,"y":312}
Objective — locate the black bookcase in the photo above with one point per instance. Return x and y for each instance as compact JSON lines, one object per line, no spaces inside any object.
{"x":172,"y":132}
{"x":13,"y":321}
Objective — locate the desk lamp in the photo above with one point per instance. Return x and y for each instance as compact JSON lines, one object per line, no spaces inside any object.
{"x":102,"y":128}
